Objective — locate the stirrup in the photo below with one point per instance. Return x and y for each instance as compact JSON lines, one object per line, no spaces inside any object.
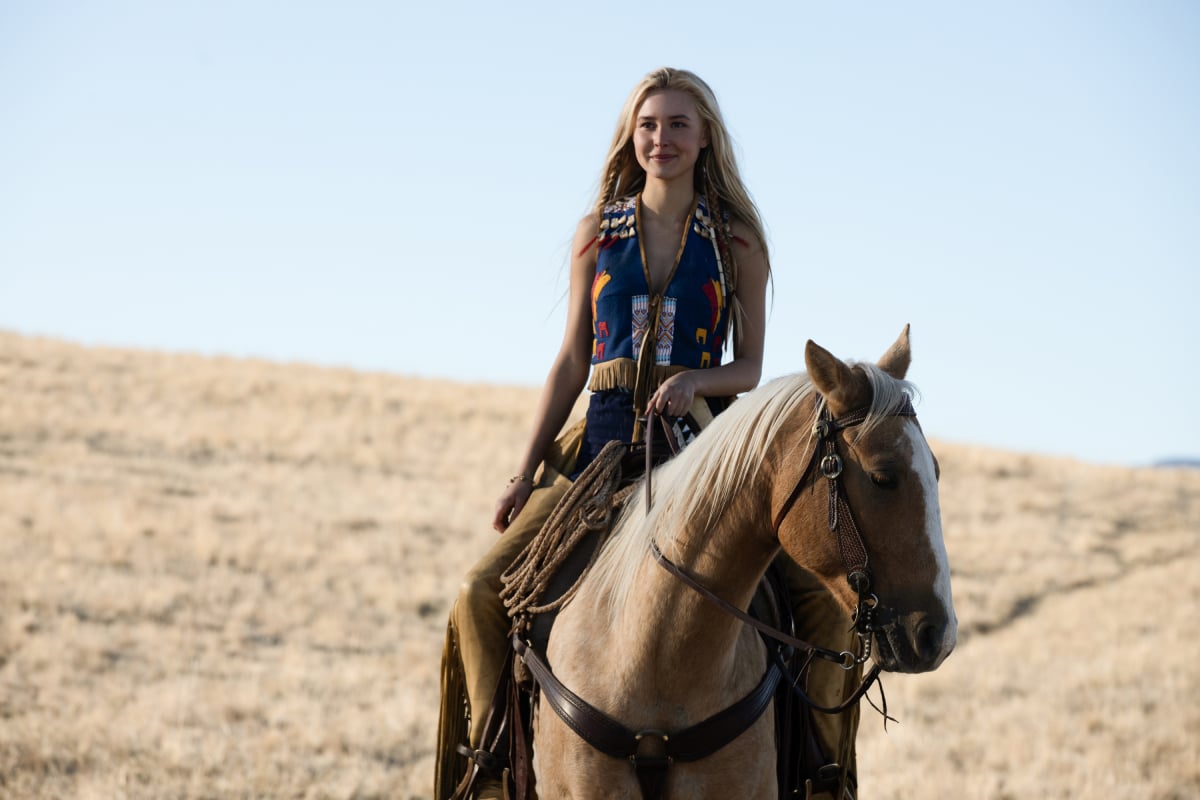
{"x":828,"y":781}
{"x":489,"y":763}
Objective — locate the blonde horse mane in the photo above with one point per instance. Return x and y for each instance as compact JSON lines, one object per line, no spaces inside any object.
{"x":693,"y":490}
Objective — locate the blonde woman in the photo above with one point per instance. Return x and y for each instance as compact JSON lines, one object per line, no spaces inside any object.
{"x":668,"y":272}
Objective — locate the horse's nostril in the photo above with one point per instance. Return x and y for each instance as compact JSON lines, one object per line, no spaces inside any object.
{"x":929,"y":639}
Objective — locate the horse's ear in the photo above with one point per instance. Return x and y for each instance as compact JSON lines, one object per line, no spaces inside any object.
{"x":896,"y":360}
{"x":833,"y":379}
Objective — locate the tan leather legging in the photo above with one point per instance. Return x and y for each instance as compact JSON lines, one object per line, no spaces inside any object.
{"x":478,"y":614}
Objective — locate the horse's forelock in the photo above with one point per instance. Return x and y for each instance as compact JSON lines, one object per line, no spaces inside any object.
{"x":888,"y":395}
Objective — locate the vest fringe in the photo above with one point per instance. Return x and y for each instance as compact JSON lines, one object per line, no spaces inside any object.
{"x":621,"y":373}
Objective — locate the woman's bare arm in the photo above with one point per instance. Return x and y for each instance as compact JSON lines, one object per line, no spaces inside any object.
{"x":567,"y":377}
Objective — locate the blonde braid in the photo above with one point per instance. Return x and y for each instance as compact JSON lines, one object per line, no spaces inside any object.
{"x":608,"y":189}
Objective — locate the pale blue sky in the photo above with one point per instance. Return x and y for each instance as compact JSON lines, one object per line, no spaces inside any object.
{"x":392,"y":186}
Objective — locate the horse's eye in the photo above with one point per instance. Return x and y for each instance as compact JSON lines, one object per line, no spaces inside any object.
{"x":884,"y":480}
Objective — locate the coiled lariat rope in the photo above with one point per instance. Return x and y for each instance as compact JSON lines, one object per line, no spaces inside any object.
{"x":589,"y":505}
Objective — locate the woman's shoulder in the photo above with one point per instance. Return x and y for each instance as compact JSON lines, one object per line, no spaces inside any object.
{"x":745,"y":237}
{"x":587,"y":233}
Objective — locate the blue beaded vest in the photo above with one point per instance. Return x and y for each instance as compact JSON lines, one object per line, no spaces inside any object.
{"x":639,"y":333}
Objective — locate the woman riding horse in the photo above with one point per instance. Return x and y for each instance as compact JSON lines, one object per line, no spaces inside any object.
{"x":668,"y":269}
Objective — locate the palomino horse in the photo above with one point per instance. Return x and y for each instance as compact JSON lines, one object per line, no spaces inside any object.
{"x":656,"y":656}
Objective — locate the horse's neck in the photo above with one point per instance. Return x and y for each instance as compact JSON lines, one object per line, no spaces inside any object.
{"x":649,"y":649}
{"x":672,"y":622}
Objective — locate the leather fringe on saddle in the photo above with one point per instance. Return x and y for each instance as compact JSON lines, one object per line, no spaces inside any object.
{"x":501,"y":758}
{"x":453,"y":725}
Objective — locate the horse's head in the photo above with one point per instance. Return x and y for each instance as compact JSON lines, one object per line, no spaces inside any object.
{"x":887,"y":476}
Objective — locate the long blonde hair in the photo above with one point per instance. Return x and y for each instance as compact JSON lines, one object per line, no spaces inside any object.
{"x":716,"y":175}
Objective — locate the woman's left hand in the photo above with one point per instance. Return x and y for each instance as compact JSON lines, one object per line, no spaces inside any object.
{"x":674,"y":398}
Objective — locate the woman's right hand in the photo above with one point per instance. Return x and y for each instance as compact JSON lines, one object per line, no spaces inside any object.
{"x":511,"y":501}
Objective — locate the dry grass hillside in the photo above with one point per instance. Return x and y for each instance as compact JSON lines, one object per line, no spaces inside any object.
{"x":227,"y":578}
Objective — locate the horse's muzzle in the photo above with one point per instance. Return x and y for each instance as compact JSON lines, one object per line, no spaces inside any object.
{"x":914,"y":642}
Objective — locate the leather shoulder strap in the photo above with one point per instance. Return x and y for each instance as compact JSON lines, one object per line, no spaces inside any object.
{"x":595,"y":727}
{"x":614,"y":739}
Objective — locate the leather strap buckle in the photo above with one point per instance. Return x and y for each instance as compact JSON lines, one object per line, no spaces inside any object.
{"x":487,"y":760}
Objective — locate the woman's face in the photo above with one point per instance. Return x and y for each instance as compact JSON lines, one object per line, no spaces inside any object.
{"x":668,"y":135}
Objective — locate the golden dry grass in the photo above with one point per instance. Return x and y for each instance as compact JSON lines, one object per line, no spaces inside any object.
{"x":228,"y":578}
